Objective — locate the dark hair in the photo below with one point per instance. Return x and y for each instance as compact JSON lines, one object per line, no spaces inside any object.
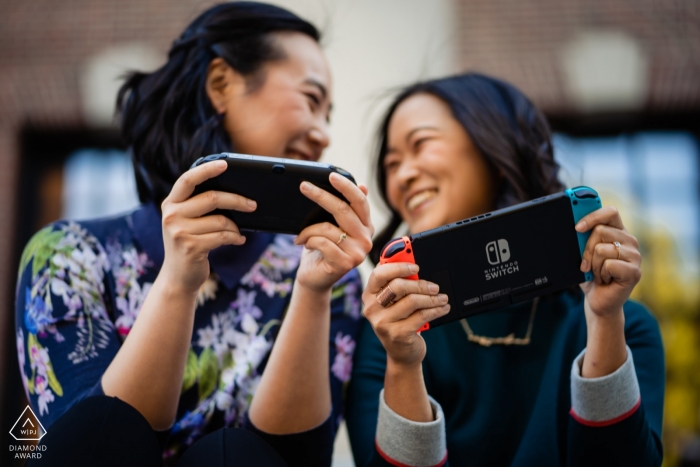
{"x":167,"y":118}
{"x":510,"y":133}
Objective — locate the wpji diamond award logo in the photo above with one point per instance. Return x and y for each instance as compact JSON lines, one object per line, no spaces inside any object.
{"x":27,"y":428}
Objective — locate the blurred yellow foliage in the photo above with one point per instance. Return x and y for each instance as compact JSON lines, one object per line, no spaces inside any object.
{"x":673,"y":296}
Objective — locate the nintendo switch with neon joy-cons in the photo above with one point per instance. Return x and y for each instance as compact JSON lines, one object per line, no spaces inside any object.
{"x":502,"y":257}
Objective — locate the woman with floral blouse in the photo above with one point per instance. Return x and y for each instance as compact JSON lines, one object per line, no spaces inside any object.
{"x":175,"y":313}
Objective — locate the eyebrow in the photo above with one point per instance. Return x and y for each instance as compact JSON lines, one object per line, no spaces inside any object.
{"x":424,"y":127}
{"x":390,"y":149}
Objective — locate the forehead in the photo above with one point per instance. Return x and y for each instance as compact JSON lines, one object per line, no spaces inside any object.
{"x":419,"y":110}
{"x":304,"y":58}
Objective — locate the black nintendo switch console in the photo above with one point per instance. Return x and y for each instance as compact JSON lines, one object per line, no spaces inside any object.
{"x":273,"y":183}
{"x":502,"y":257}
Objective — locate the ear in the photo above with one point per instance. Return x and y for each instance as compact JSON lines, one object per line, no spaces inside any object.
{"x":222,"y":84}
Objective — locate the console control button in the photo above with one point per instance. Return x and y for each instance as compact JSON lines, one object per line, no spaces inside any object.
{"x":585,"y":193}
{"x":278,"y":169}
{"x":393,"y":249}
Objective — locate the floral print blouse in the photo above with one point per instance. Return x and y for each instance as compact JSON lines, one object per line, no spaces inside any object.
{"x":81,"y":286}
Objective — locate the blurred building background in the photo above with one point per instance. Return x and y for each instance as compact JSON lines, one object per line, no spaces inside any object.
{"x":618,"y":79}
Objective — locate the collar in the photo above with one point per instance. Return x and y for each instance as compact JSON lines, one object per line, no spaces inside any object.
{"x":229,"y":262}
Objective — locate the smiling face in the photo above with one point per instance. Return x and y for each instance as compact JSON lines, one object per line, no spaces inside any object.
{"x":284,"y":110}
{"x":434,"y":173}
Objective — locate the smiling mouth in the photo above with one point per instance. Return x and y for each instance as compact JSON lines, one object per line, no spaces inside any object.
{"x":419,"y":198}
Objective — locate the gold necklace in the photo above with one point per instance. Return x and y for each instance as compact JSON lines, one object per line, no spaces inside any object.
{"x":510,"y":339}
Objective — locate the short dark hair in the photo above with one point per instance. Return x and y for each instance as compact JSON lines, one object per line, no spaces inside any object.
{"x":167,"y":119}
{"x":509,"y":132}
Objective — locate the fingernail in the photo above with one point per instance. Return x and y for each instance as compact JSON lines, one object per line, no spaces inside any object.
{"x":433,"y":288}
{"x":413,"y":268}
{"x":335,"y":175}
{"x":584,"y":265}
{"x":446,"y":308}
{"x":443,"y":298}
{"x":221,"y":164}
{"x":251,"y":203}
{"x":306,"y":186}
{"x":581,"y":226}
{"x":296,"y":240}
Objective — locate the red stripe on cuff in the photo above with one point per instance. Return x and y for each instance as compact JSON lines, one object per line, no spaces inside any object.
{"x":396,"y":463}
{"x":612,"y":421}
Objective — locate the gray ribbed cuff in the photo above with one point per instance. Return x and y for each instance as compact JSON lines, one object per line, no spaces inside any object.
{"x":411,"y":443}
{"x":603,"y":401}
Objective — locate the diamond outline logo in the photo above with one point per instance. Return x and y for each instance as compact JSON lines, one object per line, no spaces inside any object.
{"x":42,"y":430}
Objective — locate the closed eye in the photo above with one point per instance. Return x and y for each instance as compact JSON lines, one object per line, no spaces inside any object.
{"x":391,"y":165}
{"x":314,"y":99}
{"x":419,"y":142}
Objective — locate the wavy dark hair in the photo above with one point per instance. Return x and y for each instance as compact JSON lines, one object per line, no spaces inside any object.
{"x":509,"y":132}
{"x":167,"y":119}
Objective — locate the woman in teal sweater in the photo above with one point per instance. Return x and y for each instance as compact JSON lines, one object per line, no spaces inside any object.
{"x":575,"y":378}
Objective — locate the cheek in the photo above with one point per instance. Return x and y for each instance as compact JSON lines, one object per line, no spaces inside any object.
{"x":264,"y":126}
{"x":393,"y":193}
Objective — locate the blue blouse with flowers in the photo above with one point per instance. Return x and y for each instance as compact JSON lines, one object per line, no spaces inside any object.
{"x":81,"y":286}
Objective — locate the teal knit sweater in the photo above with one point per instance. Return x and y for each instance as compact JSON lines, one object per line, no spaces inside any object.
{"x":510,"y":406}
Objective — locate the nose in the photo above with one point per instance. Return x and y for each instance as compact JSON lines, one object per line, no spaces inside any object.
{"x":406,"y":174}
{"x":319,"y":134}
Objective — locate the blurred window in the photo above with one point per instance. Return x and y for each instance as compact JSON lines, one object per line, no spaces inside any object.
{"x":652,"y":177}
{"x":98,"y":183}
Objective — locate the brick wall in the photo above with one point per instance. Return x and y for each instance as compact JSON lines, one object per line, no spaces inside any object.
{"x":520,"y":41}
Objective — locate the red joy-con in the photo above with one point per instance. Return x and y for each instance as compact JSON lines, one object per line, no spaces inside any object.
{"x":400,"y":251}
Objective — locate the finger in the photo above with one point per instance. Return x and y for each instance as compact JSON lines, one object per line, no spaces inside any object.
{"x":206,"y":202}
{"x":331,"y":252}
{"x":210,"y":224}
{"x":213,"y":240}
{"x":608,"y":215}
{"x":405,"y":307}
{"x":621,"y":272}
{"x":355,"y":195}
{"x":608,"y":251}
{"x":403,"y":287}
{"x":386,"y":272}
{"x":324,"y":229}
{"x":604,"y":234}
{"x":185,"y":185}
{"x":425,"y":315}
{"x":343,"y":213}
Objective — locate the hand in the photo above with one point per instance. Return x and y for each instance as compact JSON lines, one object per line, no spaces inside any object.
{"x":327,"y":258}
{"x":189,"y":234}
{"x":397,"y":325}
{"x":614,"y":278}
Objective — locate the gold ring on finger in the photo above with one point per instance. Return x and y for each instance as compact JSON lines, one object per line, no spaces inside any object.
{"x":617,"y":245}
{"x":386,"y":297}
{"x":343,"y":236}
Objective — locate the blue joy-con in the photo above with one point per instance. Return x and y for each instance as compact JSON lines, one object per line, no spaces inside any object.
{"x":584,"y":200}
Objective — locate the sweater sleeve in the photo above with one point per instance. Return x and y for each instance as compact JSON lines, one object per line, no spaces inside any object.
{"x":616,"y":419}
{"x":65,"y":338}
{"x":379,"y":436}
